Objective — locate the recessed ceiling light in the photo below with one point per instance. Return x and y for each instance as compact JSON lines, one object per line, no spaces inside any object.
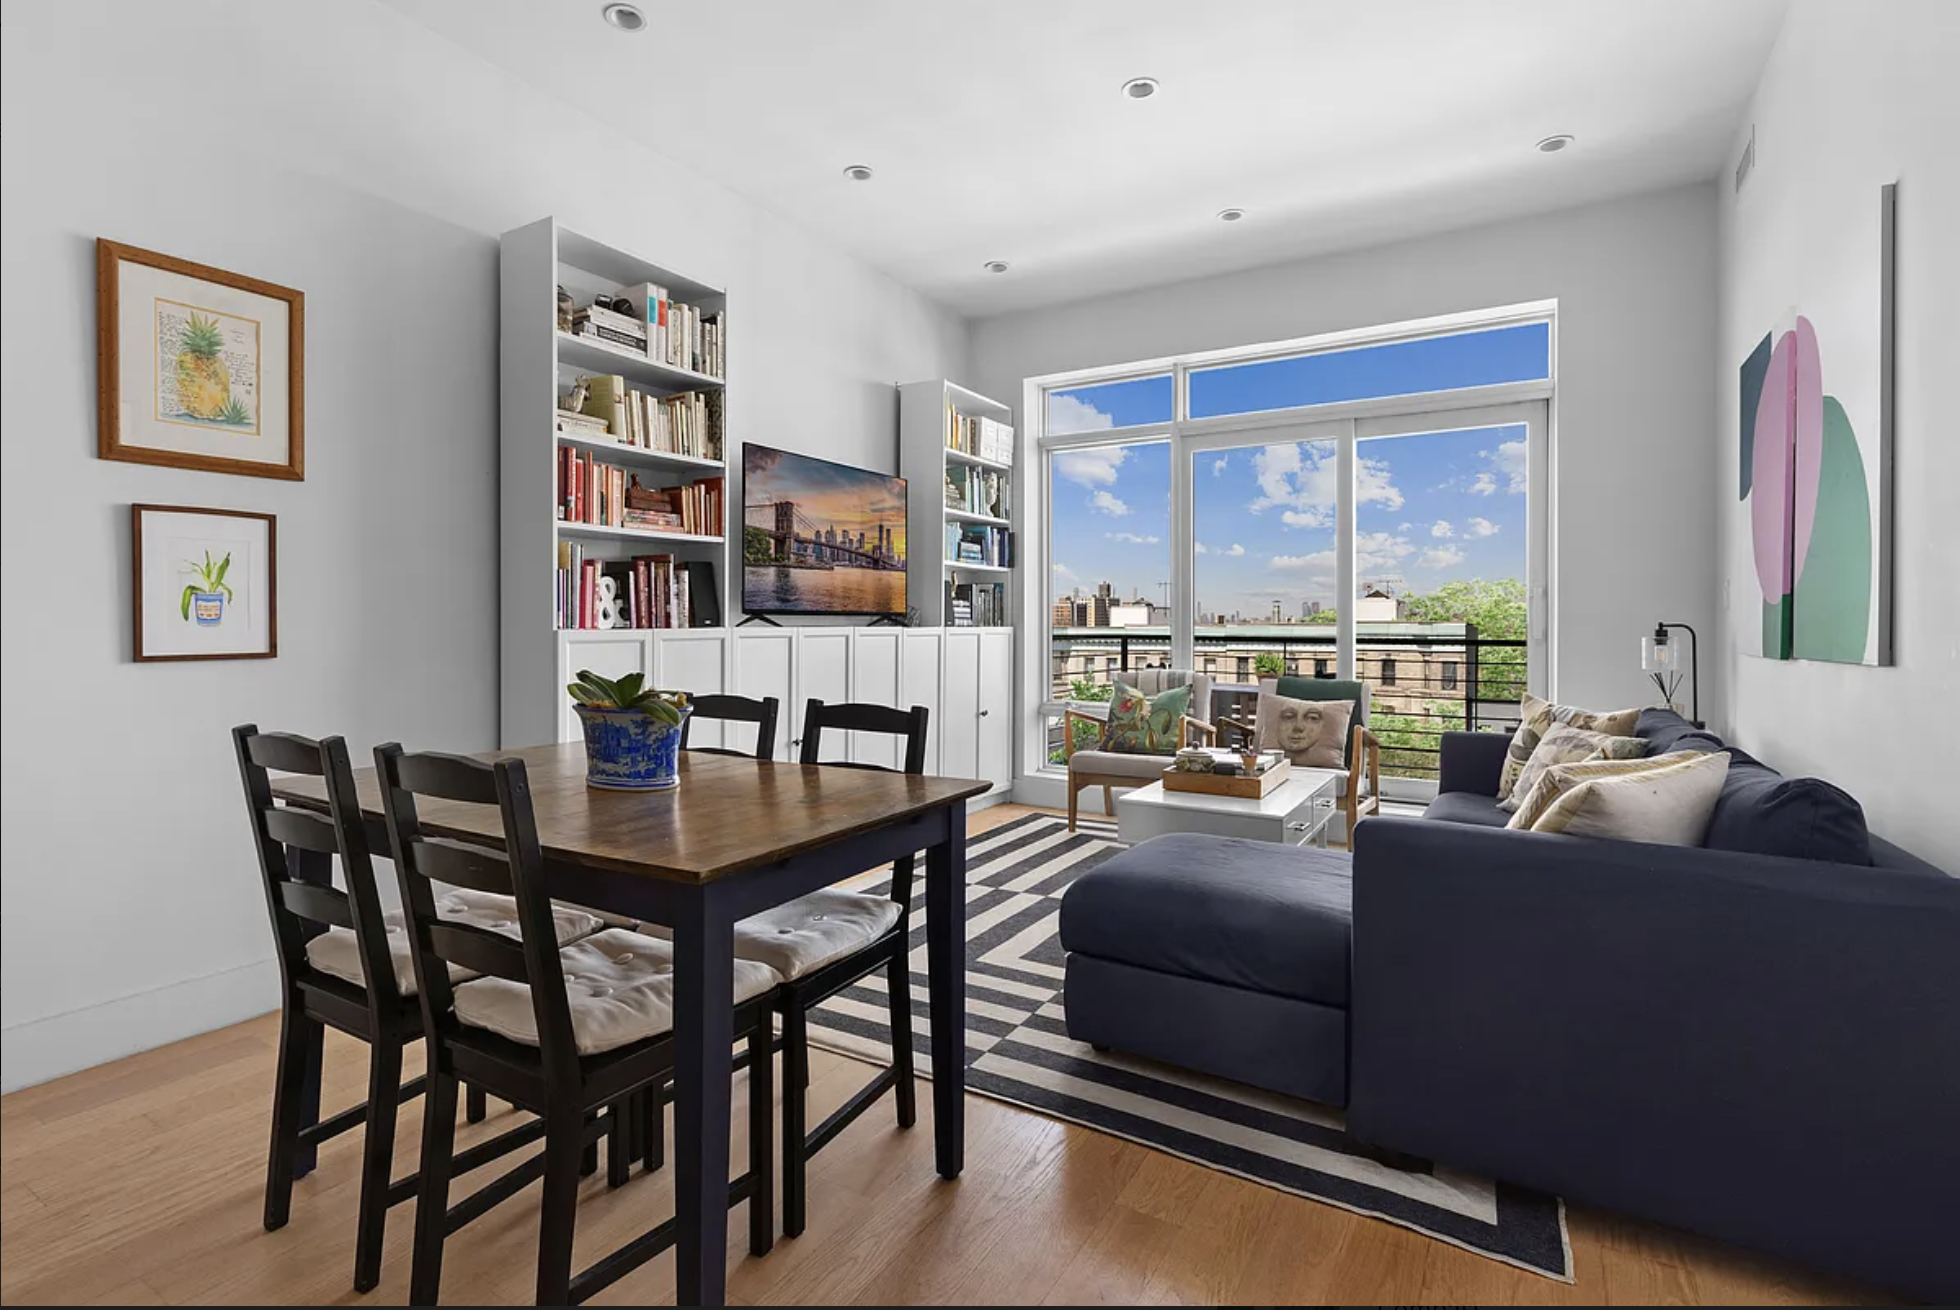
{"x":995,"y":266}
{"x":626,"y":18}
{"x":858,"y":172}
{"x":1551,"y":145}
{"x":1140,"y":88}
{"x":1230,"y":215}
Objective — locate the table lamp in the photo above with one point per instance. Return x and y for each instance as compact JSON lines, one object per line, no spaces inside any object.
{"x":1660,"y":660}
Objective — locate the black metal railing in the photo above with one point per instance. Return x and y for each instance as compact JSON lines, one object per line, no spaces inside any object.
{"x":1421,"y":686}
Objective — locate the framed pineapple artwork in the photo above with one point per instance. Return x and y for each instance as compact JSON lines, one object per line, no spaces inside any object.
{"x":198,"y":368}
{"x":204,"y":584}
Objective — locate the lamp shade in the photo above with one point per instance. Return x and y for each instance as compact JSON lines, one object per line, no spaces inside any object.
{"x":1656,"y":656}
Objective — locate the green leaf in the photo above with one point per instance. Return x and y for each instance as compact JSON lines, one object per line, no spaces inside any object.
{"x":627,"y":689}
{"x":224,"y":566}
{"x":584,"y":695}
{"x":661,"y":710}
{"x":190,"y":590}
{"x":227,"y":590}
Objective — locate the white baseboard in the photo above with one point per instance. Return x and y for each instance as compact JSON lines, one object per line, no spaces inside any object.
{"x":41,"y":1049}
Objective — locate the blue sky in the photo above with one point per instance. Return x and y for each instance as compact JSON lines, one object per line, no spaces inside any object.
{"x":1431,"y":508}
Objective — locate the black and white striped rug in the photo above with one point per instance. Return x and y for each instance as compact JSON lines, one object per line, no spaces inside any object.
{"x":1018,"y":1050}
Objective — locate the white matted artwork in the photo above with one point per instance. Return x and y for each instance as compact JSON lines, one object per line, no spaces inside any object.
{"x":205,"y":583}
{"x":199,"y":368}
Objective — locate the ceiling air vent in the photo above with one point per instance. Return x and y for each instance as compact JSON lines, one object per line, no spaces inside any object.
{"x":1748,"y":160}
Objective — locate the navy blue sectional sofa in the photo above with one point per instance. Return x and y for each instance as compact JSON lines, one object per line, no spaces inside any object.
{"x":1758,"y":1039}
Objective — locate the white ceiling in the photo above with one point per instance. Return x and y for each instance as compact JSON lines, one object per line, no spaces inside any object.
{"x":997,"y":130}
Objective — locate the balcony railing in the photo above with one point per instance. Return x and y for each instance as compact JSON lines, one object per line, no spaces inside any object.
{"x":1422,"y":684}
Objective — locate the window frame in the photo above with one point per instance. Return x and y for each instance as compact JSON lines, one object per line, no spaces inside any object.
{"x":1530,"y":403}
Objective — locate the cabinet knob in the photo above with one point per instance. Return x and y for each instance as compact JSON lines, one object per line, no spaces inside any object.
{"x":1297,"y":827}
{"x":983,"y":713}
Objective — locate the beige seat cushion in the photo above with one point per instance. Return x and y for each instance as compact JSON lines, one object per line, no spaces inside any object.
{"x":1563,"y":744}
{"x":1118,"y":764}
{"x":1559,"y":779}
{"x":337,"y":953}
{"x":811,"y":931}
{"x":620,"y":986}
{"x":1664,"y":807}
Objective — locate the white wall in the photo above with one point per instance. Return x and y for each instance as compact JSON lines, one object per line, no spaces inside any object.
{"x":1634,"y":280}
{"x":1850,"y":100}
{"x":344,"y":150}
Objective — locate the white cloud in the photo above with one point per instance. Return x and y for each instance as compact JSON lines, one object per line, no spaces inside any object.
{"x":1220,"y":464}
{"x":1063,"y":573}
{"x":1403,"y":527}
{"x":1440,"y":557}
{"x":1319,"y":559}
{"x":1236,"y":550}
{"x":1133,"y":539}
{"x":1476,"y":528}
{"x":1303,"y":478}
{"x":1068,"y":414}
{"x":1376,"y":552}
{"x":1104,"y":503}
{"x":1483,"y":484}
{"x":1441,"y":528}
{"x":1510,"y":461}
{"x":1093,"y":467}
{"x":1199,"y":548}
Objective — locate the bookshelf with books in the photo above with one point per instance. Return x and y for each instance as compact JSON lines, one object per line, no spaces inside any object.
{"x":956,"y":452}
{"x":613,"y":460}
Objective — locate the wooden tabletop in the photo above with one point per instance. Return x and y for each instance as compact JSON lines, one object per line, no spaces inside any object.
{"x":727,"y":815}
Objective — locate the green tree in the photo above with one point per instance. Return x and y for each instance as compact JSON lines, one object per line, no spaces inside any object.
{"x":1328,"y":617}
{"x":1500,"y":609}
{"x":1268,"y":665}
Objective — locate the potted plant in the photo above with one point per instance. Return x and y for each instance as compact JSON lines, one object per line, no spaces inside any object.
{"x":632,"y":732}
{"x":207,"y":596}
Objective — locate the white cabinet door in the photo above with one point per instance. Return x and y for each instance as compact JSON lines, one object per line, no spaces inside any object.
{"x":823,"y":671}
{"x":959,"y":706}
{"x":996,"y":726}
{"x":764,"y":664}
{"x":919,"y":659}
{"x":696,"y":662}
{"x":875,"y":681}
{"x":610,"y":654}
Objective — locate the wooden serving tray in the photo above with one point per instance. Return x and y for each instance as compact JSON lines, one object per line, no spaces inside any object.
{"x":1246,"y":787}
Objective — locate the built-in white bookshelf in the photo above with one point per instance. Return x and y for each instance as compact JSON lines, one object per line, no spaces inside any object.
{"x":952,"y":437}
{"x":540,"y":362}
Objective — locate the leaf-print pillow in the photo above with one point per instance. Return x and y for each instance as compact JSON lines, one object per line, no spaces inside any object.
{"x":1146,"y":725}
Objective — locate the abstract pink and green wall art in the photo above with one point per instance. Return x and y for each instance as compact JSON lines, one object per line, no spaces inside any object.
{"x":1815,"y":471}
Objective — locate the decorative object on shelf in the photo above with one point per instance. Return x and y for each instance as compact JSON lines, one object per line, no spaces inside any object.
{"x":1660,"y":661}
{"x":203,"y":584}
{"x":565,"y":307}
{"x":608,"y":615}
{"x":632,"y":732}
{"x":197,"y":368}
{"x":574,"y":401}
{"x":1815,"y":469}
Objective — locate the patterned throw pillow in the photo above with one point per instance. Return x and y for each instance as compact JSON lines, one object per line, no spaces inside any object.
{"x":1568,"y":745}
{"x":1146,"y":725}
{"x":1663,"y":807}
{"x":1539,"y":716}
{"x":1562,"y":778}
{"x":1312,"y":733}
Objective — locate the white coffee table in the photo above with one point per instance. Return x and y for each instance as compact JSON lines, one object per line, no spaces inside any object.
{"x":1296,"y":812}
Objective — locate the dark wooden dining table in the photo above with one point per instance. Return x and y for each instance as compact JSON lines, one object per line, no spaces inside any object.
{"x":736,"y":837}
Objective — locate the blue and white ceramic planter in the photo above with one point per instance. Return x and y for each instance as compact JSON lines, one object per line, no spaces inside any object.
{"x":208,"y":608}
{"x":628,"y":750}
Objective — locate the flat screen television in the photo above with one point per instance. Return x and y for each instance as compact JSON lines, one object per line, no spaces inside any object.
{"x":820,"y":537}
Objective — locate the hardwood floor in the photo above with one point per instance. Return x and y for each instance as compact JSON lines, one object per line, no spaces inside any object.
{"x":139,"y":1183}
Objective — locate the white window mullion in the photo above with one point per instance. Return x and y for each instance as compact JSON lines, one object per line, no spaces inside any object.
{"x":1344,"y":558}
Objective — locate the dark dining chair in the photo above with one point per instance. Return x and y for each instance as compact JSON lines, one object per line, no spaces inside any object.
{"x":734,"y":709}
{"x":343,"y":964}
{"x":832,"y":939}
{"x":576,"y":1035}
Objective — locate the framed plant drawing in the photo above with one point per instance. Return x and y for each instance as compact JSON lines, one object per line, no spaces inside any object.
{"x":205,"y":583}
{"x":198,"y":368}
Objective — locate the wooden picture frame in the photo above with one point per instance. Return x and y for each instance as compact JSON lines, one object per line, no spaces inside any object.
{"x":198,"y":368}
{"x":189,"y":624}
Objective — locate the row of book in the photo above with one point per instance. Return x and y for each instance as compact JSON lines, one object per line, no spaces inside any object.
{"x":663,"y":329}
{"x":646,"y":591}
{"x":985,"y":437}
{"x":969,"y":543}
{"x":976,"y":490}
{"x":686,"y":423}
{"x":976,"y":605}
{"x":593,"y":491}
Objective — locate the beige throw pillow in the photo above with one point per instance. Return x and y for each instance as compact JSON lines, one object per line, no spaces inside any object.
{"x":1565,"y":745}
{"x":1664,"y":807}
{"x":1312,"y":733}
{"x":1562,"y":778}
{"x":1537,"y":718}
